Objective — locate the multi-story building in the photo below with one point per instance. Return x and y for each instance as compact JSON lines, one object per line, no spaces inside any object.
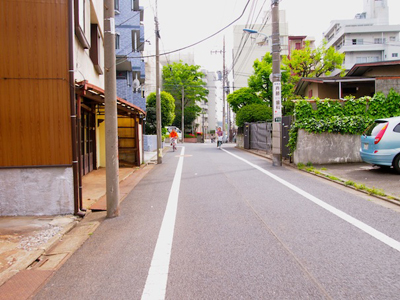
{"x":247,"y":48}
{"x":366,"y":38}
{"x":52,"y":125}
{"x":129,"y":44}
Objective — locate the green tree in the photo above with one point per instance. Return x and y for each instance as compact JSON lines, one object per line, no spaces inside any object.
{"x":253,"y":113}
{"x":242,"y":97}
{"x":260,"y":83}
{"x":316,"y":62}
{"x":178,"y":79}
{"x":167,"y":111}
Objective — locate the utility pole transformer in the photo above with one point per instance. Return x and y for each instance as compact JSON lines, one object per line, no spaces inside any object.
{"x":111,"y":116}
{"x":276,"y":91}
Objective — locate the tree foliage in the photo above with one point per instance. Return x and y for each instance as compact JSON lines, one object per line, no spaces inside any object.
{"x":253,"y":113}
{"x":167,"y":111}
{"x":316,"y":62}
{"x":242,"y":97}
{"x":260,"y":83}
{"x":178,"y":77}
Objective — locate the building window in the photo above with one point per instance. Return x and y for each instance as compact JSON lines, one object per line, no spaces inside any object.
{"x":395,"y":55}
{"x":116,"y":5}
{"x":380,"y":41}
{"x":357,"y":41}
{"x":135,"y":5}
{"x":95,"y":49}
{"x":80,"y":22}
{"x":117,"y":39}
{"x":392,"y":38}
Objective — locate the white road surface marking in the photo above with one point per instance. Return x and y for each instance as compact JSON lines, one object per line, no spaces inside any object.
{"x":355,"y":222}
{"x":156,"y":283}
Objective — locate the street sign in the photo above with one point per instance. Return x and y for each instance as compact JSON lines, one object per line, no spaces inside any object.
{"x":277,"y":105}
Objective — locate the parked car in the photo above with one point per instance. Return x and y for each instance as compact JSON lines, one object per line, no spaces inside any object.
{"x":380,"y":143}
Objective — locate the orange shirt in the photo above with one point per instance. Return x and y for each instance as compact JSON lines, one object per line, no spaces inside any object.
{"x":173,"y":134}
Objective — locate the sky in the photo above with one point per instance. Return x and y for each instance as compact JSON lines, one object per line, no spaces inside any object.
{"x":185,"y":22}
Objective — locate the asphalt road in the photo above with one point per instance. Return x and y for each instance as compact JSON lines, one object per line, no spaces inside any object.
{"x":234,"y":227}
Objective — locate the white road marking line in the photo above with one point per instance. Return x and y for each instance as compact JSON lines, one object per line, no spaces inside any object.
{"x":355,"y":222}
{"x":156,"y":283}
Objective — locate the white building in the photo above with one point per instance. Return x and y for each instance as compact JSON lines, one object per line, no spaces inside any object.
{"x":366,"y":38}
{"x":247,"y":48}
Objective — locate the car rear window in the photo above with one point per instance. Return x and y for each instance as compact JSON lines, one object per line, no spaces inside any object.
{"x":397,"y":128}
{"x":374,"y":129}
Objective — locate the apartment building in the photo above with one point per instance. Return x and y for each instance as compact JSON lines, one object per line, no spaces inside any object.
{"x":130,"y":44}
{"x":368,"y":37}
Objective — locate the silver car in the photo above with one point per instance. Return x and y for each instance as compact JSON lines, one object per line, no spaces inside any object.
{"x":380,"y":143}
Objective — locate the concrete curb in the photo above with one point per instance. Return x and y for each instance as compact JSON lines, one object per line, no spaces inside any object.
{"x":341,"y":181}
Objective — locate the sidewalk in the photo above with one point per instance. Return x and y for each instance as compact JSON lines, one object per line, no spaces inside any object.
{"x":33,"y":248}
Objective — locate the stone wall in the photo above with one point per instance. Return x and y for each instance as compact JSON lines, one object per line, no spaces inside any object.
{"x":36,"y":191}
{"x":326,"y":148}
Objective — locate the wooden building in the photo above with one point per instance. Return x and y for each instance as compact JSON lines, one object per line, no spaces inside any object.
{"x":52,"y":105}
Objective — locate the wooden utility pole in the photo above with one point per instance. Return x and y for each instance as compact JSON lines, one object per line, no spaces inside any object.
{"x":111,"y":116}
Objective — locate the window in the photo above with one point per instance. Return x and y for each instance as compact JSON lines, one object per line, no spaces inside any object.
{"x":116,"y":5}
{"x":117,"y":40}
{"x":298,"y":46}
{"x":395,"y":55}
{"x":310,"y":93}
{"x":380,"y":41}
{"x":357,"y":41}
{"x":135,"y":5}
{"x":96,"y":46}
{"x":80,"y":22}
{"x":397,"y":128}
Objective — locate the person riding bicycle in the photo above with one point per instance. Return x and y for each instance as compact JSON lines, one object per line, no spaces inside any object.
{"x":174,"y":137}
{"x":220,"y":134}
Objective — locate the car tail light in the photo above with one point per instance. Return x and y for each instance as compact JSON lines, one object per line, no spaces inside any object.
{"x":380,"y":134}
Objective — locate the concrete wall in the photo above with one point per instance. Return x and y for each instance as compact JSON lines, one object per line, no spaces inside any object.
{"x":150,"y":142}
{"x":36,"y":191}
{"x":240,"y":140}
{"x":384,"y":85}
{"x":326,"y":148}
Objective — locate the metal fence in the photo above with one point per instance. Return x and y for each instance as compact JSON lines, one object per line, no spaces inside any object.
{"x":261,"y":136}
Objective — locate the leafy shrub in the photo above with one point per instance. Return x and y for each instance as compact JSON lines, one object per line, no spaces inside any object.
{"x":253,"y":113}
{"x":351,"y":118}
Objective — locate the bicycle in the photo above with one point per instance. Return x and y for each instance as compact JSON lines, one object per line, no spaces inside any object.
{"x":219,"y":143}
{"x":173,"y":144}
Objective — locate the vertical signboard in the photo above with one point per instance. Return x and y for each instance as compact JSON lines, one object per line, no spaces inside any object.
{"x":277,"y":102}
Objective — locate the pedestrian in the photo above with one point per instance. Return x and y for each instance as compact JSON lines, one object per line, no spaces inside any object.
{"x":220,"y":134}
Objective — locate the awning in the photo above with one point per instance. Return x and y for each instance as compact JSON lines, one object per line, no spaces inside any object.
{"x":96,"y":94}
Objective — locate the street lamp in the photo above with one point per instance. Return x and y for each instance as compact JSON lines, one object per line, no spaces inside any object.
{"x":276,"y":84}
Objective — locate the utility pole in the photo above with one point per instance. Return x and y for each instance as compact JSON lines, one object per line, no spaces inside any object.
{"x":223,"y":86}
{"x":276,"y":83}
{"x":183,"y":113}
{"x":158,"y":97}
{"x":111,"y":117}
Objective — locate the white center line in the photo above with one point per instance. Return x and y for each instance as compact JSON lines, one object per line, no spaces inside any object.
{"x":355,"y":222}
{"x":156,"y":283}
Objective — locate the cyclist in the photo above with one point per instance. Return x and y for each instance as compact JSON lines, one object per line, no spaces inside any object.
{"x":220,"y":134}
{"x":173,"y":136}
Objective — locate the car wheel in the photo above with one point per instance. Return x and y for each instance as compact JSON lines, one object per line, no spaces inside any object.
{"x":396,"y":163}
